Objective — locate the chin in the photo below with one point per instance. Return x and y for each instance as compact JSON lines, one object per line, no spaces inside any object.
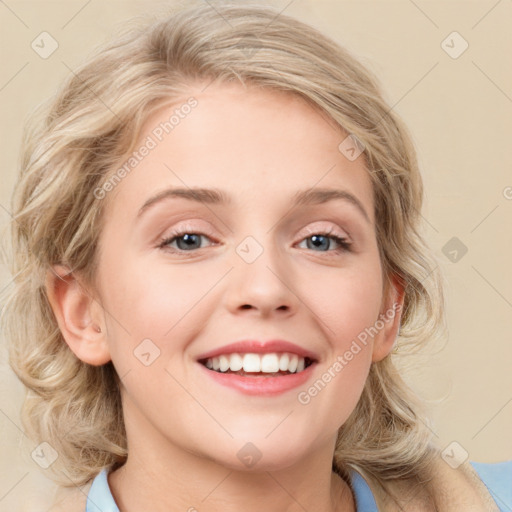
{"x":261,"y":454}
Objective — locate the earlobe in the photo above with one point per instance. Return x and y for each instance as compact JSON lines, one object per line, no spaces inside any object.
{"x":80,"y":317}
{"x":390,"y":317}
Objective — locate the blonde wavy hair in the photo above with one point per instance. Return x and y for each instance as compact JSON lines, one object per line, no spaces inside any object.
{"x":72,"y":146}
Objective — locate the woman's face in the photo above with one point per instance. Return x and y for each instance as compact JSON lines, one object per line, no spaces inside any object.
{"x":183,"y":275}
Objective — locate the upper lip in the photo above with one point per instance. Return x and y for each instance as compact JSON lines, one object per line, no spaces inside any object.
{"x":259,"y":347}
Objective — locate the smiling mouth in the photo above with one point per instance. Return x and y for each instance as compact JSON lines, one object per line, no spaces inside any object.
{"x":258,"y":365}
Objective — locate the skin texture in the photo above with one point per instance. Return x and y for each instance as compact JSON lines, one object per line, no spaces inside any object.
{"x":184,"y":429}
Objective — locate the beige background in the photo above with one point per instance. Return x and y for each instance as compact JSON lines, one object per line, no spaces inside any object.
{"x":459,"y":111}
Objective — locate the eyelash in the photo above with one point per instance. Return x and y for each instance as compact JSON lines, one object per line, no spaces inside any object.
{"x":344,"y":246}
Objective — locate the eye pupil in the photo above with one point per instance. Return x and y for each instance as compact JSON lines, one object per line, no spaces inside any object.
{"x":323,"y":243}
{"x":189,"y":239}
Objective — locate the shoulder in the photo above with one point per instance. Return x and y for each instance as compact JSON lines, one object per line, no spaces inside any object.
{"x":470,"y":487}
{"x":497,"y":477}
{"x":70,"y":499}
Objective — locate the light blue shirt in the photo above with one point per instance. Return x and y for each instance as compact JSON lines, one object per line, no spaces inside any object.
{"x":497,"y":477}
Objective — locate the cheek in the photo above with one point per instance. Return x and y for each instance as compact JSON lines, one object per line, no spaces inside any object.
{"x":345,"y":314}
{"x":146,"y":304}
{"x":348,"y":302}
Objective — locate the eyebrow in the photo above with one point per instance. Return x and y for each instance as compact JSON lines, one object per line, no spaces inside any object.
{"x":310,"y":196}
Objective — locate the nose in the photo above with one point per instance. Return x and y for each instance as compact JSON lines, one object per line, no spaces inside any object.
{"x":261,"y":287}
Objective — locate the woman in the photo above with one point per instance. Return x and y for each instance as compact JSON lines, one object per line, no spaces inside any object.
{"x":254,"y":370}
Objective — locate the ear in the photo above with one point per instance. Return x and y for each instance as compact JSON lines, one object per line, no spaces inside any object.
{"x":79,"y":315}
{"x":389,"y":318}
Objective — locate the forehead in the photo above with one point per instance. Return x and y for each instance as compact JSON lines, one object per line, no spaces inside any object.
{"x":252,"y":142}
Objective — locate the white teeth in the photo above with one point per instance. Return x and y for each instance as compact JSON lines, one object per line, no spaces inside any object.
{"x":283,"y":362}
{"x":292,"y":365}
{"x":223,"y":363}
{"x":269,"y":363}
{"x":252,"y":363}
{"x":266,"y":363}
{"x":236,"y":362}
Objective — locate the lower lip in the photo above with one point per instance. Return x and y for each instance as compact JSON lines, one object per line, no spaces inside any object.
{"x":267,"y":386}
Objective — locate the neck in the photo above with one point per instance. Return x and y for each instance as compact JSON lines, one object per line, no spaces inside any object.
{"x":135,"y":488}
{"x":163,"y":477}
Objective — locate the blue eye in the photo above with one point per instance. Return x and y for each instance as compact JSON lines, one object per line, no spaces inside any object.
{"x":187,"y":241}
{"x":322,"y":240}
